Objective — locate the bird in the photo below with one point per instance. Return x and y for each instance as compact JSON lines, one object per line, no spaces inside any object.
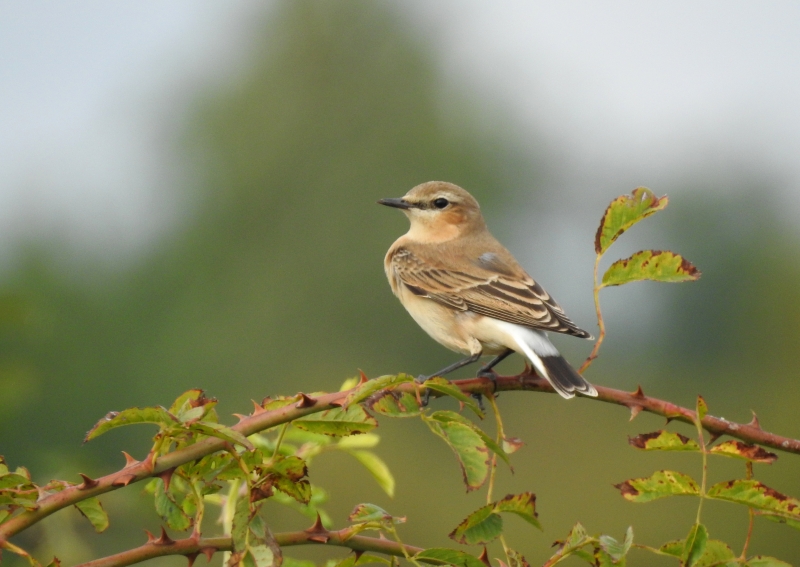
{"x":469,"y":293}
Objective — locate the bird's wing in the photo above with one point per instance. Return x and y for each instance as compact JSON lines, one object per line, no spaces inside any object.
{"x":491,"y":288}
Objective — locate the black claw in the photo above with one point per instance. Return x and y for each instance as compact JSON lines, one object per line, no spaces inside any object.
{"x":479,"y":398}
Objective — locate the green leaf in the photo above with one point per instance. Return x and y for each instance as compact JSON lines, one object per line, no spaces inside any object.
{"x":717,"y":553}
{"x":191,"y":405}
{"x":222,"y":432}
{"x":617,"y":550}
{"x":286,"y":474}
{"x":516,"y":559}
{"x":450,"y":416}
{"x":623,"y":213}
{"x":93,"y":511}
{"x":392,"y":403}
{"x":364,"y":441}
{"x":377,"y":468}
{"x":370,"y":513}
{"x":370,"y":387}
{"x":663,"y":441}
{"x":694,"y":545}
{"x":444,"y":386}
{"x":780,"y":520}
{"x":659,"y":485}
{"x":364,"y":559}
{"x":746,"y":451}
{"x":764,"y":561}
{"x":169,"y":510}
{"x":444,"y":556}
{"x":655,"y":265}
{"x":469,"y":447}
{"x":13,"y":480}
{"x":485,"y":524}
{"x":240,"y":528}
{"x":572,"y":544}
{"x":4,"y":514}
{"x":156,"y":415}
{"x":292,"y":562}
{"x":756,"y":495}
{"x":338,"y":422}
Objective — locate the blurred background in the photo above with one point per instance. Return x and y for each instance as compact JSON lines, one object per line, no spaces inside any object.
{"x":187,"y":199}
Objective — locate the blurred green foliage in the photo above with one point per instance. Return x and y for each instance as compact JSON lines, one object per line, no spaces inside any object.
{"x":273,"y":283}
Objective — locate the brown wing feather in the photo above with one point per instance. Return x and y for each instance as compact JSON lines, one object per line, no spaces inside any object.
{"x":495,"y":293}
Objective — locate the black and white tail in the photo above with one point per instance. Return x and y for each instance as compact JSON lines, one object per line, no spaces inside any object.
{"x":548,"y":362}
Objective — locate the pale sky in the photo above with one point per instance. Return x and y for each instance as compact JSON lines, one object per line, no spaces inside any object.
{"x":628,"y":93}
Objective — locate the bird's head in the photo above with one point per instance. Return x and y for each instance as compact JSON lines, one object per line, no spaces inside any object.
{"x":439,"y":211}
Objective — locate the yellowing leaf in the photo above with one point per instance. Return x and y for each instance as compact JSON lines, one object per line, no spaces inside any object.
{"x":469,"y":447}
{"x":663,"y":441}
{"x":656,"y":265}
{"x":745,"y":451}
{"x":623,"y":213}
{"x":756,"y":495}
{"x":659,"y":485}
{"x":395,"y":404}
{"x":156,"y":415}
{"x":764,"y":561}
{"x":375,"y":385}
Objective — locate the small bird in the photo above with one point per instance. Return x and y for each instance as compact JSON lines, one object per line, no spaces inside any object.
{"x":469,"y":293}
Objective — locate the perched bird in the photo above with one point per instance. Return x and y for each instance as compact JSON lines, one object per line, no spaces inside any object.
{"x":469,"y":293}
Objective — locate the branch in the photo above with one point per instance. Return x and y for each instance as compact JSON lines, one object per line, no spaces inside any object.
{"x":192,"y":547}
{"x":261,"y":420}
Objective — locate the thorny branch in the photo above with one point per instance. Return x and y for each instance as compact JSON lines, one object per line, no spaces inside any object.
{"x":193,"y":547}
{"x":260,"y":419}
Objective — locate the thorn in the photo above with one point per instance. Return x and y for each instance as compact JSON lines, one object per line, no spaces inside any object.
{"x":754,"y":422}
{"x":129,"y":461}
{"x":336,"y":403}
{"x":208,"y":552}
{"x":166,"y":476}
{"x":124,"y":480}
{"x":191,"y":557}
{"x":305,"y":401}
{"x":257,"y":408}
{"x":635,"y":410}
{"x":484,"y":557}
{"x":714,"y":437}
{"x":317,"y":528}
{"x":638,"y":393}
{"x":163,"y":539}
{"x":358,"y":553}
{"x":87,"y":482}
{"x":362,"y":377}
{"x":240,"y":416}
{"x":381,"y":536}
{"x":150,"y":537}
{"x":319,"y":538}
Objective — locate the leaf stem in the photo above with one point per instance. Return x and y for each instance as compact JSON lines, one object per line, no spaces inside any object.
{"x":279,"y":440}
{"x":600,"y":323}
{"x":701,"y":438}
{"x":750,"y":513}
{"x":500,"y":436}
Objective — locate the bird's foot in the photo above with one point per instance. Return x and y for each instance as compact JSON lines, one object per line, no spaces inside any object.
{"x":426,"y":395}
{"x":491,"y":375}
{"x":479,"y":398}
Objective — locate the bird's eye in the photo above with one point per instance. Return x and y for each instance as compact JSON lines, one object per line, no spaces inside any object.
{"x":440,"y":203}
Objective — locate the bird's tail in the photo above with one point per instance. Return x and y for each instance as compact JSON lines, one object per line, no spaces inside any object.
{"x":546,"y":359}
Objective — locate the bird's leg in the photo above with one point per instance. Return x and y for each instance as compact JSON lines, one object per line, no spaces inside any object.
{"x":446,"y":370}
{"x":487,"y":372}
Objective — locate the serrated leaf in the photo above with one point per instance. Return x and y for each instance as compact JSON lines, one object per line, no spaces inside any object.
{"x":12,"y":480}
{"x":601,"y":558}
{"x":221,"y":432}
{"x":745,"y":451}
{"x":169,"y":510}
{"x":702,"y":407}
{"x":615,"y":549}
{"x":191,"y":405}
{"x":717,"y":553}
{"x":338,"y":422}
{"x":156,"y":415}
{"x":444,"y":386}
{"x":663,"y":441}
{"x":694,"y":546}
{"x":450,"y":416}
{"x":469,"y":447}
{"x":623,"y":213}
{"x":93,"y":511}
{"x":516,"y":559}
{"x":395,"y":404}
{"x":485,"y":524}
{"x":780,"y":519}
{"x":659,"y":485}
{"x":764,"y":561}
{"x":756,"y":495}
{"x":444,"y":556}
{"x":377,"y":468}
{"x":655,"y":265}
{"x":240,"y":524}
{"x":370,"y":387}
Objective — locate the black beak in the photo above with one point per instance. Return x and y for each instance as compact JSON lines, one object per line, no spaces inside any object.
{"x":396,"y":203}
